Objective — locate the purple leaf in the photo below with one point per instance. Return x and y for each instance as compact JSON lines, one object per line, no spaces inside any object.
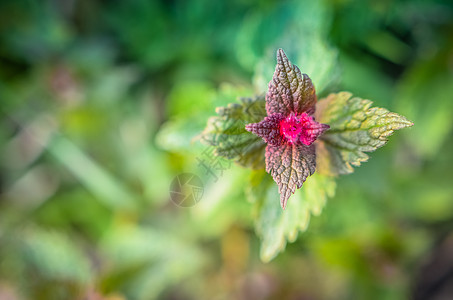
{"x":290,"y":165}
{"x":289,"y":128}
{"x":289,"y":90}
{"x":268,"y":129}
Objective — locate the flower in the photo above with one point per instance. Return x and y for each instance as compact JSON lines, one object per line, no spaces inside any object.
{"x":289,"y":129}
{"x":277,"y":129}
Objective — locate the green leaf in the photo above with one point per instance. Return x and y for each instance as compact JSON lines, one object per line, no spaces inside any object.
{"x":355,"y":128}
{"x":227,"y":132}
{"x":275,"y":226}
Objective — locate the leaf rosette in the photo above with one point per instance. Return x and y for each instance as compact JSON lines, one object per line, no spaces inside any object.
{"x":291,"y":135}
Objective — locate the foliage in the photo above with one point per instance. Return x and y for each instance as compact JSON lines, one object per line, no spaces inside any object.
{"x":101,"y":105}
{"x":227,"y":132}
{"x":353,"y":128}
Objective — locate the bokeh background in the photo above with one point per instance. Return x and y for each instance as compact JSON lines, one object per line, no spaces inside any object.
{"x":100,"y":106}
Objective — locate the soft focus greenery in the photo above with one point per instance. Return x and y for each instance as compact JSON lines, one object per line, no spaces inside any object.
{"x":102,"y":104}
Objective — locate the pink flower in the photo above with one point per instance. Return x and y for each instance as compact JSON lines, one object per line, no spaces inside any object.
{"x":277,"y":129}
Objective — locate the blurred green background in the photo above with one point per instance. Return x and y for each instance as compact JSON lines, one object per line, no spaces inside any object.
{"x":101,"y":103}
